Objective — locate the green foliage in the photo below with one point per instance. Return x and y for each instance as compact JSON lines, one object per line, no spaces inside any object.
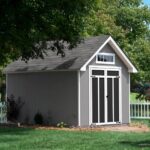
{"x":13,"y":108}
{"x":24,"y":23}
{"x":133,"y":97}
{"x":61,"y":125}
{"x":127,"y":21}
{"x":38,"y":118}
{"x":144,"y":92}
{"x":25,"y":26}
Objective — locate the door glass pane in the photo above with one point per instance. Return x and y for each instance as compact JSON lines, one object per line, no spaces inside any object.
{"x":102,"y":100}
{"x":116,"y":99}
{"x":95,"y":99}
{"x":97,"y":72}
{"x":109,"y":100}
{"x":113,"y":73}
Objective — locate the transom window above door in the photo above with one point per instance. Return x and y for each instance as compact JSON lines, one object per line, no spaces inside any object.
{"x":105,"y":58}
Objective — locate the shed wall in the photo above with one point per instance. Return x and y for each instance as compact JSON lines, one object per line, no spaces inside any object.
{"x":84,"y":84}
{"x":53,"y":94}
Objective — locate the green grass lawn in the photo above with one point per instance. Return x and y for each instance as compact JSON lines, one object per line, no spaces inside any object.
{"x":133,"y":97}
{"x":31,"y":139}
{"x":141,"y":121}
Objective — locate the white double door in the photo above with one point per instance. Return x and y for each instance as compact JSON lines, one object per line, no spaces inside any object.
{"x":105,"y":96}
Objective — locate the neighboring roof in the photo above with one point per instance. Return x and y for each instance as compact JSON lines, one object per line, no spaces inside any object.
{"x":75,"y":59}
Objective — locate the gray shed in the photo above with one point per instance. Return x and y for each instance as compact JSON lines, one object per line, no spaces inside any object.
{"x":89,"y":86}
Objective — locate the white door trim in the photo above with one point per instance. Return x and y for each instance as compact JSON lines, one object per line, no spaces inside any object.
{"x":111,"y":68}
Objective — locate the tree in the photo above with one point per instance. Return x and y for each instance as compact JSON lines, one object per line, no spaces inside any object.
{"x":26,"y":25}
{"x":127,"y":21}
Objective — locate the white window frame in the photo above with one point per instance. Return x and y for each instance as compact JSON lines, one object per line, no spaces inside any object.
{"x":106,"y":54}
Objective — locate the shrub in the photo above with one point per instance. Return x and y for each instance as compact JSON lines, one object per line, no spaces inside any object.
{"x":13,"y":107}
{"x":38,"y":118}
{"x":144,"y":92}
{"x":61,"y":125}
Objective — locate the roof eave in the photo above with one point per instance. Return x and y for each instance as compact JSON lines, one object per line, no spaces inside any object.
{"x":134,"y":70}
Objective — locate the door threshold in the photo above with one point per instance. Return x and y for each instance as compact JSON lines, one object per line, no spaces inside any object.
{"x":108,"y":123}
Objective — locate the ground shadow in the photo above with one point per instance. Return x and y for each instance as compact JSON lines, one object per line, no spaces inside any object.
{"x":11,"y":135}
{"x":14,"y":130}
{"x":140,"y":144}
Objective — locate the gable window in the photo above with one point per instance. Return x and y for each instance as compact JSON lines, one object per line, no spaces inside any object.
{"x":105,"y":58}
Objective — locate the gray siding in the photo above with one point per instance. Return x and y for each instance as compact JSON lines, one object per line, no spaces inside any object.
{"x":84,"y":98}
{"x":84,"y":84}
{"x":54,"y":94}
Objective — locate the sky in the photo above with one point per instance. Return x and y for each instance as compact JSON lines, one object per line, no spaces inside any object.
{"x":147,"y":2}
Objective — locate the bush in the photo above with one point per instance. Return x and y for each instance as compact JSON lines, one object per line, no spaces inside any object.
{"x":144,"y":91}
{"x":13,"y":108}
{"x":38,"y":118}
{"x":61,"y":125}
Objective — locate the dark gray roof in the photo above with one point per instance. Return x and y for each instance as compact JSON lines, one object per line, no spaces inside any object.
{"x":73,"y":60}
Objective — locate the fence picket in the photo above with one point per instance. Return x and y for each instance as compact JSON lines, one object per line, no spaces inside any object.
{"x":140,"y":110}
{"x":135,"y":110}
{"x":3,"y":112}
{"x":147,"y":111}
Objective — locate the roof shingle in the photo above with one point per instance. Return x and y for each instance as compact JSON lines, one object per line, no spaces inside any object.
{"x":74,"y":59}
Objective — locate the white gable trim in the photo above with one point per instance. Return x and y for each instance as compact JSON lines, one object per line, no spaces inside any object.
{"x":119,"y":52}
{"x":124,"y":58}
{"x":83,"y":68}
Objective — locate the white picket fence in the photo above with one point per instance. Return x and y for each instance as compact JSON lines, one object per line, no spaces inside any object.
{"x":3,"y":112}
{"x":140,"y":110}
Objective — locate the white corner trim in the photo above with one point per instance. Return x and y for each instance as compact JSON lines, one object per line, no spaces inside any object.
{"x":129,"y":98}
{"x":90,"y":97}
{"x":79,"y":102}
{"x":120,"y":96}
{"x":119,"y":52}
